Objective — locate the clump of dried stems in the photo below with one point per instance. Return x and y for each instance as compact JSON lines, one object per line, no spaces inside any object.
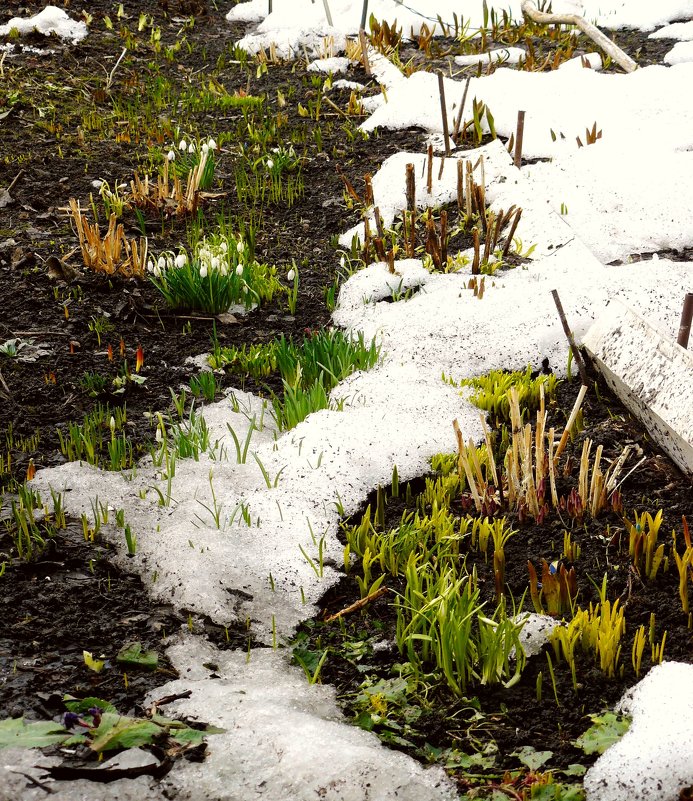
{"x":528,"y":480}
{"x":112,"y":254}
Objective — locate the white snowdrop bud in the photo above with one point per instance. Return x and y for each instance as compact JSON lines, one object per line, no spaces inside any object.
{"x":182,"y":146}
{"x":212,"y":144}
{"x":150,"y":265}
{"x":181,"y":260}
{"x":203,"y":271}
{"x":270,"y":164}
{"x":171,"y":156}
{"x":159,"y":435}
{"x":239,"y":246}
{"x":239,"y":269}
{"x":112,"y":424}
{"x":291,"y":275}
{"x":161,"y":264}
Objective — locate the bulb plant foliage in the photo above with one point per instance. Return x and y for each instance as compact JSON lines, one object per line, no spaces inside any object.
{"x":219,"y":272}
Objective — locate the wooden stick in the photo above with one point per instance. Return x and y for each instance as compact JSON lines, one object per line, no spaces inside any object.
{"x":569,"y":336}
{"x":429,"y":170}
{"x":410,"y":187}
{"x":444,"y":112}
{"x":518,"y":138}
{"x":513,"y":228}
{"x":357,"y":605}
{"x":686,"y":317}
{"x":328,"y":14}
{"x":458,"y":121}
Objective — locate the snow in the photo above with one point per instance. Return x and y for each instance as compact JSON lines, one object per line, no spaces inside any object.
{"x":677,"y":30}
{"x":654,"y":759}
{"x":680,"y":53}
{"x":50,"y":20}
{"x":628,"y":193}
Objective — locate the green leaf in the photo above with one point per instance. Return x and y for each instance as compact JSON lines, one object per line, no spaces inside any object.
{"x":574,"y":770}
{"x":532,"y":758}
{"x":606,"y":730}
{"x":80,"y":705}
{"x":117,"y":731}
{"x":132,"y":654}
{"x":557,"y":792}
{"x":15,"y":733}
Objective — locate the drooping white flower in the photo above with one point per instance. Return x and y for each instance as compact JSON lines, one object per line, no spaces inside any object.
{"x":215,"y":262}
{"x":205,"y":147}
{"x":171,"y":155}
{"x":161,"y":264}
{"x":150,"y":265}
{"x":203,"y":270}
{"x":291,"y":275}
{"x":181,"y":260}
{"x":239,"y":269}
{"x":212,"y":144}
{"x":183,"y":146}
{"x":191,"y":147}
{"x":156,"y":271}
{"x":223,"y":247}
{"x":239,"y":246}
{"x":270,"y":164}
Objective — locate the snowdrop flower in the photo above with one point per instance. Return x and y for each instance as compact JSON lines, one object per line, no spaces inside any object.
{"x":156,"y":271}
{"x":171,"y":156}
{"x":215,"y":262}
{"x":191,"y":147}
{"x":224,"y":269}
{"x":239,"y":269}
{"x":203,"y":271}
{"x":239,"y":246}
{"x":161,"y":264}
{"x":181,"y":260}
{"x":205,"y":147}
{"x":212,"y":144}
{"x":159,"y":435}
{"x":270,"y":164}
{"x":150,"y":265}
{"x":342,"y":260}
{"x":223,"y":247}
{"x":182,"y":146}
{"x":291,"y":275}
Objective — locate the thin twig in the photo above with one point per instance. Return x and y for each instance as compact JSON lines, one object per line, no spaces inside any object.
{"x":357,"y":605}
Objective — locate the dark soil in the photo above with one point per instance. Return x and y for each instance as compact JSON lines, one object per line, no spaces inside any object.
{"x":60,"y":133}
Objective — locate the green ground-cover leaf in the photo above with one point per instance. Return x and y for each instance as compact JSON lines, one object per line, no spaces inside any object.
{"x":606,"y":729}
{"x":16,"y":733}
{"x":132,"y":654}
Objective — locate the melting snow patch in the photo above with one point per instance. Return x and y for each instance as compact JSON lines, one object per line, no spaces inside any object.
{"x":50,"y":20}
{"x":654,"y":759}
{"x":335,"y":64}
{"x":503,"y":55}
{"x":677,"y":30}
{"x":284,"y":739}
{"x":680,"y":53}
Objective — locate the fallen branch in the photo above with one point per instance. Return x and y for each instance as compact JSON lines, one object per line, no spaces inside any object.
{"x":357,"y":605}
{"x":611,"y":49}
